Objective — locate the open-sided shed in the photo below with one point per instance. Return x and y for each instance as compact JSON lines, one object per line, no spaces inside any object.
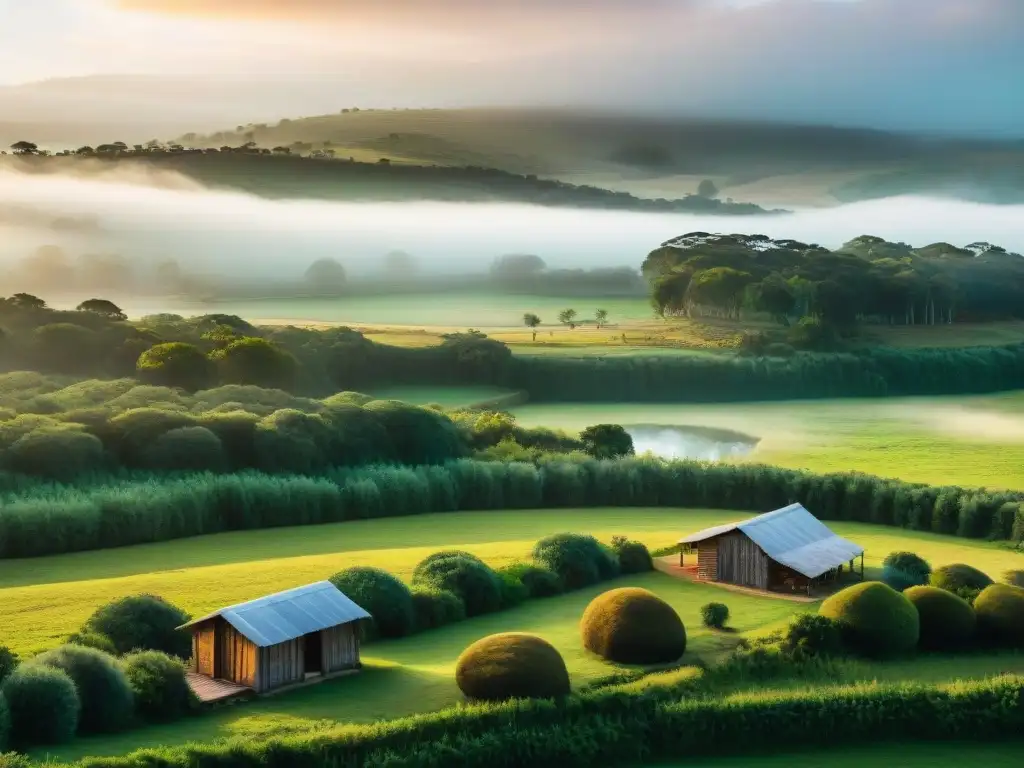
{"x":278,"y":640}
{"x":786,"y":549}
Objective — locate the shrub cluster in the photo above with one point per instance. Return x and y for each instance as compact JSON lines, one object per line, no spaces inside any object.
{"x":141,"y":622}
{"x":43,"y":704}
{"x":960,"y":579}
{"x":1000,"y":609}
{"x":905,"y":569}
{"x":464,"y":575}
{"x":385,"y":597}
{"x":877,"y":620}
{"x":633,"y":556}
{"x":132,"y":509}
{"x":578,"y":560}
{"x":633,"y":626}
{"x":435,"y":608}
{"x":538,"y":580}
{"x":511,"y":665}
{"x":159,"y":685}
{"x":948,"y":621}
{"x":107,"y":700}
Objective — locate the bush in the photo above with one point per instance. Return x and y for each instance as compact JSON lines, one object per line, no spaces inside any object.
{"x":186,"y":448}
{"x":539,"y":581}
{"x":958,"y":576}
{"x":947,"y":621}
{"x":252,"y":360}
{"x":8,"y":662}
{"x":386,"y":598}
{"x":436,"y":607}
{"x":633,"y":555}
{"x":175,"y":364}
{"x":579,"y":560}
{"x":159,"y":684}
{"x":43,"y":705}
{"x":714,"y":615}
{"x":1014,"y":578}
{"x":93,"y":640}
{"x":104,"y":693}
{"x":633,"y":626}
{"x":905,"y":569}
{"x":473,"y":581}
{"x":56,"y":452}
{"x":1000,"y":610}
{"x":513,"y":591}
{"x":878,"y":620}
{"x":142,"y":622}
{"x":812,"y":635}
{"x":511,"y":665}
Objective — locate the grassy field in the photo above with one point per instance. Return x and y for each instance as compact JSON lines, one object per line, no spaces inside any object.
{"x":449,"y":397}
{"x":46,"y":598}
{"x":970,"y":441}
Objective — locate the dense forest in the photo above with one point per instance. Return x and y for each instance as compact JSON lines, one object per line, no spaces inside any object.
{"x":867,"y":280}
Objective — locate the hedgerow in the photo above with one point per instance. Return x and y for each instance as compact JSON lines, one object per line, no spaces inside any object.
{"x":135,"y":508}
{"x":620,"y":727}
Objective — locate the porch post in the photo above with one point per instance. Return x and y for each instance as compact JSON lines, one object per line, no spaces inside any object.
{"x":862,"y":566}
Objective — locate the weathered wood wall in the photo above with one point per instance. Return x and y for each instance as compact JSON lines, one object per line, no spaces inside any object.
{"x":280,"y":664}
{"x":741,"y":561}
{"x":237,"y":656}
{"x":340,"y":648}
{"x":203,"y":650}
{"x":707,"y":559}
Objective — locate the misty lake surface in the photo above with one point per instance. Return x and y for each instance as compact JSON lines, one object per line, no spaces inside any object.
{"x":682,"y":442}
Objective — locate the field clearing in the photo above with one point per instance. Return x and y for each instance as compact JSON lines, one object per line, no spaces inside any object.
{"x":968,"y":441}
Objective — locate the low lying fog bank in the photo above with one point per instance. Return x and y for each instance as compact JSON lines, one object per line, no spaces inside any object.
{"x":221,"y":233}
{"x":698,"y":443}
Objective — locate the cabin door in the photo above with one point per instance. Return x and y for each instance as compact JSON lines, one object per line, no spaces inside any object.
{"x":313,"y":653}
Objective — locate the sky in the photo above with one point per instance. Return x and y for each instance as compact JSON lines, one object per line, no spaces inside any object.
{"x":953,"y":66}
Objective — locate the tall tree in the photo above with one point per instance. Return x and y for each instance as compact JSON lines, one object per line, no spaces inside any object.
{"x":567,"y":317}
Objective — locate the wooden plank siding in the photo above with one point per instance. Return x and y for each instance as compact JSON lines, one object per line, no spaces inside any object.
{"x":707,"y":559}
{"x":340,"y":648}
{"x":281,"y":664}
{"x":237,"y":656}
{"x":203,"y":644}
{"x":741,"y":561}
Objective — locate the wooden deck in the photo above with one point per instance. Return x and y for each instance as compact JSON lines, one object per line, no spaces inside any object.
{"x":209,"y":690}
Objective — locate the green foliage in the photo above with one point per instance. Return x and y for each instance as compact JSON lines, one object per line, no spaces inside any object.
{"x":633,"y":556}
{"x":958,"y":576}
{"x":633,"y":626}
{"x":43,"y":705}
{"x":948,"y":622}
{"x":812,"y":635}
{"x":8,"y":662}
{"x":511,"y":665}
{"x":812,"y":333}
{"x":606,"y":441}
{"x":253,"y":360}
{"x":578,"y":559}
{"x":1000,"y":611}
{"x":538,"y":580}
{"x":106,"y":698}
{"x":464,"y":575}
{"x":714,"y":615}
{"x":435,"y":608}
{"x":905,"y":569}
{"x":386,"y":598}
{"x":186,"y":448}
{"x":513,"y":591}
{"x":93,"y":640}
{"x":57,"y":452}
{"x":878,"y":620}
{"x":158,"y":683}
{"x":176,"y":364}
{"x":142,"y":622}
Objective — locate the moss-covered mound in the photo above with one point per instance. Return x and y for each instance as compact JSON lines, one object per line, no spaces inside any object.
{"x":959,"y":576}
{"x":633,"y":626}
{"x":947,"y":621}
{"x":1000,"y":609}
{"x":877,"y":620}
{"x":511,"y":666}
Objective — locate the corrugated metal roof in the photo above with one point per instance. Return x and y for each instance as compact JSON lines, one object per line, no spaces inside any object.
{"x":791,"y":536}
{"x":290,"y":614}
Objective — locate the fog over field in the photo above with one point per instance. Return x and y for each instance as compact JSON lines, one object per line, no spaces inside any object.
{"x":149,"y":219}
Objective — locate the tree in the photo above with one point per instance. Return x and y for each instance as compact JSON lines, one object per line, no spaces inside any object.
{"x":601,"y":316}
{"x":102,"y":307}
{"x":775,"y":297}
{"x":400,"y":264}
{"x":25,"y":148}
{"x":707,"y":189}
{"x":567,"y":317}
{"x":518,"y":265}
{"x":27,"y":301}
{"x":606,"y":441}
{"x":668,"y":292}
{"x":176,"y":364}
{"x":720,"y":287}
{"x":531,"y":321}
{"x":252,"y":360}
{"x":326,"y":274}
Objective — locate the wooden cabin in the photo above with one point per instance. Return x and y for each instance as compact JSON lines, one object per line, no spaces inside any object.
{"x":786,"y":550}
{"x":278,"y":640}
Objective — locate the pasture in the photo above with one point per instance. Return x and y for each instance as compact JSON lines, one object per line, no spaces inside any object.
{"x":47,"y":598}
{"x":968,"y":441}
{"x":905,"y":755}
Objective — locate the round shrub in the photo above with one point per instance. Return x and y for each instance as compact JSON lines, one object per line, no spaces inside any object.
{"x":426,"y":565}
{"x":380,"y":594}
{"x":905,"y":569}
{"x":93,"y":640}
{"x":714,"y":615}
{"x":8,"y":662}
{"x":142,"y":622}
{"x":947,"y":621}
{"x":810,"y":634}
{"x":43,"y":705}
{"x":436,"y":607}
{"x":159,"y":684}
{"x":56,"y":452}
{"x":633,"y":626}
{"x":878,"y":620}
{"x":633,"y":556}
{"x":474,"y":582}
{"x":579,"y":560}
{"x":958,"y":576}
{"x":175,"y":364}
{"x":1000,"y":610}
{"x":103,"y":690}
{"x":511,"y":666}
{"x":513,"y":591}
{"x":186,"y":448}
{"x":539,"y":581}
